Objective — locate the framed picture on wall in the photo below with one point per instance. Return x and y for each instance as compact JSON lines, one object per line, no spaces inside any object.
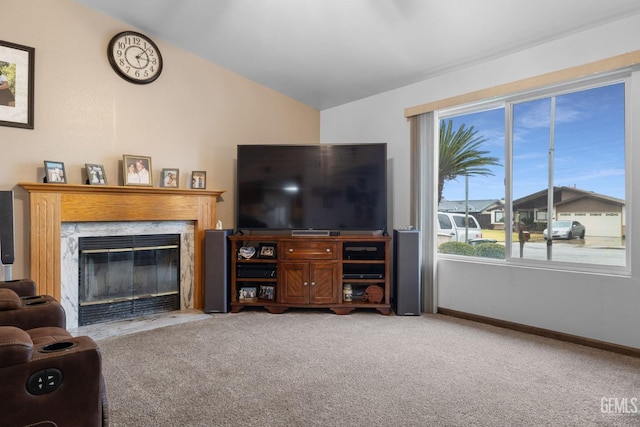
{"x":136,"y":170}
{"x":169,"y":177}
{"x":16,"y":85}
{"x":54,"y":172}
{"x":95,"y":174}
{"x":199,"y":179}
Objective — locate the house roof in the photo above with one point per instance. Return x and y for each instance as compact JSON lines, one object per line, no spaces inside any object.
{"x":475,"y":206}
{"x":562,"y":195}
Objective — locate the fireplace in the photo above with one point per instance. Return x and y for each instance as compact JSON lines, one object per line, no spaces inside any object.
{"x":121,"y":277}
{"x":71,"y":234}
{"x":59,"y":213}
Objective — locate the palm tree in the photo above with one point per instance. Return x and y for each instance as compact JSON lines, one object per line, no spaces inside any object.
{"x":460,"y":155}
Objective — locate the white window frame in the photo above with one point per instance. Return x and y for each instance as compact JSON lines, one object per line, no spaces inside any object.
{"x":625,"y":76}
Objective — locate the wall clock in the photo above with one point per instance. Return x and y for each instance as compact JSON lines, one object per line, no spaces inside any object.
{"x":135,"y":57}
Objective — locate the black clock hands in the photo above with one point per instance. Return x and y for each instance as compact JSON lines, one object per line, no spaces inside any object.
{"x":144,"y":55}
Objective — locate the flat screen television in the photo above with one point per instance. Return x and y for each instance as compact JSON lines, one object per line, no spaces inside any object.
{"x":312,"y":187}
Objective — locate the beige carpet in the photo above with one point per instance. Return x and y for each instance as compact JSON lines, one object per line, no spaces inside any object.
{"x":314,"y":368}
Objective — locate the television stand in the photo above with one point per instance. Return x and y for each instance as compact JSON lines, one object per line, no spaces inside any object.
{"x":310,"y":272}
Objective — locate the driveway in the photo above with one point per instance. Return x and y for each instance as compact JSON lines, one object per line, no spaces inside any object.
{"x":591,"y":250}
{"x":587,"y":242}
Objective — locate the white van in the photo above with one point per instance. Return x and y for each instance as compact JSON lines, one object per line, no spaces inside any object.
{"x":453,"y":224}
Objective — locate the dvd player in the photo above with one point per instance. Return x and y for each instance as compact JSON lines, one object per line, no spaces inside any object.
{"x":363,"y":276}
{"x":255,"y":271}
{"x":364,"y":251}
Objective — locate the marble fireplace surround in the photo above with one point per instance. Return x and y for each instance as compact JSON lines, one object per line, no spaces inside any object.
{"x":71,"y":231}
{"x":52,"y":205}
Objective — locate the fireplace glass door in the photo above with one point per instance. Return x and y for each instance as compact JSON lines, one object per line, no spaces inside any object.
{"x":128,"y":276}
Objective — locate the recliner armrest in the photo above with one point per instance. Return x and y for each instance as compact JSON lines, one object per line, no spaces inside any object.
{"x":23,"y":287}
{"x":35,"y":312}
{"x":76,"y":400}
{"x":9,"y":300}
{"x":16,"y":346}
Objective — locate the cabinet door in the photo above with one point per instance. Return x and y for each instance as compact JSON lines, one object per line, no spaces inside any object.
{"x":323,"y":283}
{"x":294,"y":284}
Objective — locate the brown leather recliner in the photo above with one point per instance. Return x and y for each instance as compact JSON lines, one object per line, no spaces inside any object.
{"x":29,"y":312}
{"x":50,"y":378}
{"x":22,"y":287}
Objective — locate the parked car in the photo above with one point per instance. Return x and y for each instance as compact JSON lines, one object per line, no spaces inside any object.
{"x":565,"y":229}
{"x":453,"y":224}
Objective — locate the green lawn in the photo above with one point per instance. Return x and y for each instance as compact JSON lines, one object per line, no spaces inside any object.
{"x":499,"y":235}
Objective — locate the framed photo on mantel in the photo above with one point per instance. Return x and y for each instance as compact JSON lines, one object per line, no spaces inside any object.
{"x":136,"y":170}
{"x":199,"y":179}
{"x":170,"y":178}
{"x":55,"y":173}
{"x":95,"y":174}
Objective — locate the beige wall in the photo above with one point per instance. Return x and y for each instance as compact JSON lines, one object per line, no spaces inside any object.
{"x":191,"y":118}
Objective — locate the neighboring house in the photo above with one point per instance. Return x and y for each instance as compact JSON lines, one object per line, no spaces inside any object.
{"x":601,"y":215}
{"x":488,"y":213}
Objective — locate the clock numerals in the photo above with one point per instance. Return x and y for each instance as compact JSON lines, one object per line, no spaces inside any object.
{"x":134,"y":57}
{"x":131,"y":40}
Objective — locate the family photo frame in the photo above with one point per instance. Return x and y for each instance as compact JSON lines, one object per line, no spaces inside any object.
{"x":248,"y":294}
{"x":95,"y":174}
{"x":16,"y":85}
{"x":54,"y":172}
{"x":199,"y":179}
{"x":267,"y":292}
{"x":136,"y":170}
{"x":266,"y":251}
{"x":169,"y":177}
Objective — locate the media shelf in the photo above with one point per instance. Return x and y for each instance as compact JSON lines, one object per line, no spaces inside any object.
{"x":310,"y":272}
{"x":255,"y":268}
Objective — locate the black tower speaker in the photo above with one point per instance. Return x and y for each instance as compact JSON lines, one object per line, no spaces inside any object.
{"x":406,"y":272}
{"x":7,"y":255}
{"x":217,"y":265}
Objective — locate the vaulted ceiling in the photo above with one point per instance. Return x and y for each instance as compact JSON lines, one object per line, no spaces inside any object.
{"x":326,"y":53}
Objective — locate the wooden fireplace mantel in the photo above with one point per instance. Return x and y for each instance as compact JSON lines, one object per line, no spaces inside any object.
{"x":53,"y":204}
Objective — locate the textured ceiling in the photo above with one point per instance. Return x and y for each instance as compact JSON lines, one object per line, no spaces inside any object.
{"x":326,"y":53}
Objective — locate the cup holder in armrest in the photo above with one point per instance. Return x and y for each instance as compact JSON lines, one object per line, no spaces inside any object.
{"x":58,"y":346}
{"x":32,"y":297}
{"x":36,"y":302}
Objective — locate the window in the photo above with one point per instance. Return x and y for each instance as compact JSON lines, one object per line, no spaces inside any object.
{"x":560,"y":166}
{"x":569,"y":160}
{"x":541,"y":216}
{"x":471,"y":181}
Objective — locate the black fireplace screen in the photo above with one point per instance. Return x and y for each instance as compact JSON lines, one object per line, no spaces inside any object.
{"x":128,"y":276}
